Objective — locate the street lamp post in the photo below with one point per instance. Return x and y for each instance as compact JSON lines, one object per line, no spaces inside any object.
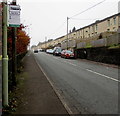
{"x":67,"y":32}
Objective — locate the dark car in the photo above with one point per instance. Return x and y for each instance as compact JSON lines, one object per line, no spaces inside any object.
{"x":57,"y":51}
{"x":35,"y":51}
{"x":67,"y":54}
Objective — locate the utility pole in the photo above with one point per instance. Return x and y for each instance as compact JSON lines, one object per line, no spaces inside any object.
{"x":4,"y":58}
{"x":14,"y":38}
{"x":67,"y":32}
{"x":45,"y":43}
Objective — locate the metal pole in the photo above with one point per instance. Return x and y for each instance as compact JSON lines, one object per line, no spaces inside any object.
{"x":45,"y":43}
{"x":14,"y":31}
{"x":13,"y":56}
{"x":4,"y":58}
{"x":67,"y":33}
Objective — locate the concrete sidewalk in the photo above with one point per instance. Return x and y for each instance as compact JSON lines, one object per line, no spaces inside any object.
{"x":38,"y":97}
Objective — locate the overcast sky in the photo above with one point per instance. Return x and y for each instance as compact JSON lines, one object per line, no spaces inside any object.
{"x":47,"y":18}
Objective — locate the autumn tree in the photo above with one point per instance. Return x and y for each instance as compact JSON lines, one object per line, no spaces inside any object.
{"x":22,"y":41}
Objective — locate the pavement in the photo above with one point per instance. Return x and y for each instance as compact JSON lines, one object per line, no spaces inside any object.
{"x":38,"y":96}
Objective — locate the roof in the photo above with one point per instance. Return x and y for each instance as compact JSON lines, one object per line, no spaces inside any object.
{"x":99,"y":21}
{"x":59,"y":37}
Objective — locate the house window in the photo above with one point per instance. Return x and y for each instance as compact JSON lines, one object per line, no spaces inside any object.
{"x":114,"y":20}
{"x":108,"y":30}
{"x":114,"y":29}
{"x":108,"y":23}
{"x":96,"y":27}
{"x":92,"y":28}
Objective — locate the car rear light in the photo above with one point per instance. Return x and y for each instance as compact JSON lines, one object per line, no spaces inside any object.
{"x":67,"y":54}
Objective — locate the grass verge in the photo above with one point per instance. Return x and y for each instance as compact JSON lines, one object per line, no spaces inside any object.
{"x":15,"y":96}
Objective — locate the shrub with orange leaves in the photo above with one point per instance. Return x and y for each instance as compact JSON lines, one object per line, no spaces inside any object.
{"x":22,"y":41}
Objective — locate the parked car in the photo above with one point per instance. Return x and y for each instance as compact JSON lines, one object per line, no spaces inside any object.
{"x":50,"y":51}
{"x":57,"y":51}
{"x":40,"y":50}
{"x":35,"y":51}
{"x":67,"y":54}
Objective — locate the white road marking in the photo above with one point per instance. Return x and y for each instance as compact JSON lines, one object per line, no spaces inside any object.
{"x":92,"y":71}
{"x":55,"y":58}
{"x":70,"y":63}
{"x":103,"y":75}
{"x":66,"y":62}
{"x":54,"y":88}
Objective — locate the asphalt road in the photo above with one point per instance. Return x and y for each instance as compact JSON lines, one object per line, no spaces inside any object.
{"x":85,"y":87}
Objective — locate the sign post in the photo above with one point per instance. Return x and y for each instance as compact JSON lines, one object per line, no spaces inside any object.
{"x":14,"y":16}
{"x":14,"y":22}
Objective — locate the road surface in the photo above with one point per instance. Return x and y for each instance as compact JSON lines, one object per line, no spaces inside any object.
{"x":85,"y":87}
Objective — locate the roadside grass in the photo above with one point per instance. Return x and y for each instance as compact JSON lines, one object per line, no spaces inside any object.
{"x":16,"y":96}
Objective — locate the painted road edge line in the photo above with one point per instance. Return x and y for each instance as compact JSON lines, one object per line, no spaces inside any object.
{"x":103,"y":75}
{"x":57,"y":93}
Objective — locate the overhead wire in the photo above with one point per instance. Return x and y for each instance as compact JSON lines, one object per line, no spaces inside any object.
{"x":84,"y":19}
{"x":88,"y":9}
{"x":79,"y":14}
{"x":58,"y":28}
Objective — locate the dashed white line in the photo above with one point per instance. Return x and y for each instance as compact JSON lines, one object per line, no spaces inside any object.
{"x":66,"y":62}
{"x":55,"y":58}
{"x":103,"y":75}
{"x":93,"y":71}
{"x":70,"y":63}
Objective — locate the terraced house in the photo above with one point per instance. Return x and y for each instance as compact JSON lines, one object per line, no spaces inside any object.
{"x":99,"y":36}
{"x":100,"y":39}
{"x":86,"y":36}
{"x":51,"y":44}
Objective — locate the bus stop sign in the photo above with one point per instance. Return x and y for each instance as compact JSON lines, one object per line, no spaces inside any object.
{"x":14,"y":16}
